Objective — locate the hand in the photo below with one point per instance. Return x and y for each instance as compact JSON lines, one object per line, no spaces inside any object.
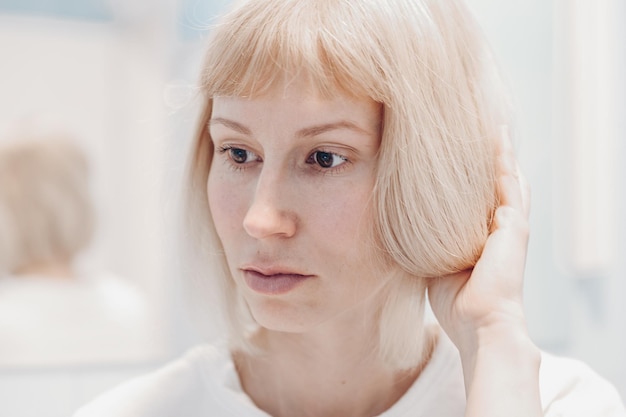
{"x":481,"y":310}
{"x":488,"y":298}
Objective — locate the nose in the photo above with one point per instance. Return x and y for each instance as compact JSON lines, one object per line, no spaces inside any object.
{"x":268,"y":215}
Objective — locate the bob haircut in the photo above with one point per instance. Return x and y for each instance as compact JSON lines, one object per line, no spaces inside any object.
{"x":46,"y":214}
{"x":443,"y":104}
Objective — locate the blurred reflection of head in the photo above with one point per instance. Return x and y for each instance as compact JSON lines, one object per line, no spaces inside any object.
{"x":54,"y":310}
{"x":46,"y":212}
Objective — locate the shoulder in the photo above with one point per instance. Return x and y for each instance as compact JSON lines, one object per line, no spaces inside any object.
{"x":180,"y":388}
{"x":571,"y":388}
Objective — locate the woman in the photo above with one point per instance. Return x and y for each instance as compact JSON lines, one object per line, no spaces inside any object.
{"x":351,"y":155}
{"x":54,"y":312}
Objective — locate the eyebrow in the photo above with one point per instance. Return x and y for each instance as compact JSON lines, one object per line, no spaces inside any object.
{"x":306,"y":132}
{"x":318,"y":130}
{"x":237,"y":127}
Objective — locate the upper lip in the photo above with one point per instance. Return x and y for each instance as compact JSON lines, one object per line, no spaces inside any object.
{"x":270,"y":270}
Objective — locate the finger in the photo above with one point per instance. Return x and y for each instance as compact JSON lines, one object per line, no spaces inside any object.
{"x":525,"y":187}
{"x":510,"y":193}
{"x":508,"y":174}
{"x":448,"y":284}
{"x":442,"y":291}
{"x":504,"y":254}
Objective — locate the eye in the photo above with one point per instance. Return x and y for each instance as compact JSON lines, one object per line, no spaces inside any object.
{"x":238,"y":155}
{"x":326,"y":159}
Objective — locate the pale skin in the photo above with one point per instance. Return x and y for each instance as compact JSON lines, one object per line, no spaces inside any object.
{"x":61,"y":270}
{"x":289,"y":191}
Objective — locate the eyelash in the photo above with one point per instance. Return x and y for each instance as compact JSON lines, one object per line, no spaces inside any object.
{"x":225,"y":150}
{"x":310,"y":160}
{"x":327,"y":170}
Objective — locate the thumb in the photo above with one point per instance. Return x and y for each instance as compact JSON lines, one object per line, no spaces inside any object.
{"x":443,"y":291}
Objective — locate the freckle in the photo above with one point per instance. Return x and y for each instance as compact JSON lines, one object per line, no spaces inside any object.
{"x":343,"y":382}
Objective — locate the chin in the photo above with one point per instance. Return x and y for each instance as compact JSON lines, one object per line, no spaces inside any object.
{"x":280,"y":316}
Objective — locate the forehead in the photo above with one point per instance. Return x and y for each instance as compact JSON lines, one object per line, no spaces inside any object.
{"x":298,"y":102}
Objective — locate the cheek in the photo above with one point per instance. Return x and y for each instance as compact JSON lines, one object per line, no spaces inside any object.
{"x":225,"y":206}
{"x":346,"y":219}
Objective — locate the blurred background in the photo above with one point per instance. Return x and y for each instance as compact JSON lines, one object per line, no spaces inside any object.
{"x":120,"y":75}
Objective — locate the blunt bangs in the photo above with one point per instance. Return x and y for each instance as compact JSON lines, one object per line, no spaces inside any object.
{"x":275,"y":43}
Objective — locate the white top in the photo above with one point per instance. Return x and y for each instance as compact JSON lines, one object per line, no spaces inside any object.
{"x":204,"y":382}
{"x":96,"y":318}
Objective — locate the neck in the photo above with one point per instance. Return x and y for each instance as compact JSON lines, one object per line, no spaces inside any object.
{"x":328,"y":372}
{"x":59,"y":270}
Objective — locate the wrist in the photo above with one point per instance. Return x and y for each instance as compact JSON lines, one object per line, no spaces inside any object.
{"x":505,"y":356}
{"x":501,"y":349}
{"x":503,"y":376}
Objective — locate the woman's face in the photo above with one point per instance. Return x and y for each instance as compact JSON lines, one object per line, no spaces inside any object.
{"x":289,"y":190}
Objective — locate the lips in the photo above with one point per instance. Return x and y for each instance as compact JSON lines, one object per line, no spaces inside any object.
{"x":272,"y":280}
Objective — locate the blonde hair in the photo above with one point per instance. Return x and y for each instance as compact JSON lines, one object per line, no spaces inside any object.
{"x":46,"y":213}
{"x":428,"y":64}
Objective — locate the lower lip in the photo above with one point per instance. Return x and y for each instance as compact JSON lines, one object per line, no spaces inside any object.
{"x":273,"y":284}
